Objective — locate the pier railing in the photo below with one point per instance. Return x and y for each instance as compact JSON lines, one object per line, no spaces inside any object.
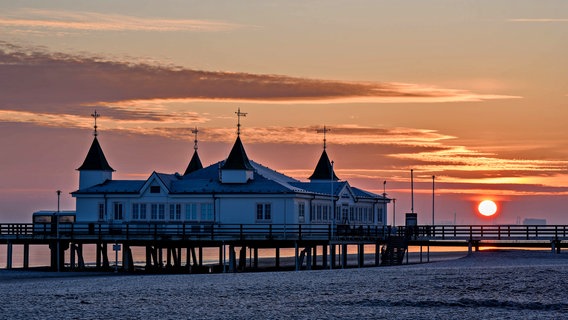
{"x":236,"y":232}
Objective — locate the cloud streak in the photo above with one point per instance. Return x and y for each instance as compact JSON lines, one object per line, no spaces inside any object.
{"x":538,"y":20}
{"x":34,"y":19}
{"x":39,"y":81}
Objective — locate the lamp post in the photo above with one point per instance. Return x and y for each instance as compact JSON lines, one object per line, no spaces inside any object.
{"x":433,"y":196}
{"x":332,"y":217}
{"x":57,"y":230}
{"x":393,"y":212}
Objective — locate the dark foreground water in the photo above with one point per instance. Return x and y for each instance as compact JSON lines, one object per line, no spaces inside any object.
{"x":486,"y":285}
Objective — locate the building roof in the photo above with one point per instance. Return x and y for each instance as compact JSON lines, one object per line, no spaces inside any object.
{"x":114,"y":186}
{"x":323,"y":169}
{"x":238,"y":159}
{"x":206,"y":181}
{"x":194,"y":164}
{"x":95,"y":159}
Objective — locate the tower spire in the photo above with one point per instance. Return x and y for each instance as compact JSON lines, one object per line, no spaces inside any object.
{"x":195,"y":162}
{"x":325,"y":130}
{"x":239,"y":115}
{"x":95,"y":115}
{"x":195,"y":131}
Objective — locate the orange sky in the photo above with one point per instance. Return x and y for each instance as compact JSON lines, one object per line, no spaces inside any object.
{"x":473,"y":92}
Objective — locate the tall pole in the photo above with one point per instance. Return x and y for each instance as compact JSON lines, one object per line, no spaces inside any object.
{"x":58,"y":196}
{"x":433,"y":197}
{"x":57,"y":229}
{"x":393,"y":212}
{"x":412,"y":190}
{"x":332,"y":214}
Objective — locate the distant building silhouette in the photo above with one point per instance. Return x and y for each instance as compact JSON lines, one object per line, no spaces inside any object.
{"x":534,"y":221}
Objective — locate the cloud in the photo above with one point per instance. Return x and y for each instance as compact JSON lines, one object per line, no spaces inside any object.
{"x":37,"y":20}
{"x":540,"y":20}
{"x":38,"y":81}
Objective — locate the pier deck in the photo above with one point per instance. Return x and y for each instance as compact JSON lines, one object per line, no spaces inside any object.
{"x":305,"y":239}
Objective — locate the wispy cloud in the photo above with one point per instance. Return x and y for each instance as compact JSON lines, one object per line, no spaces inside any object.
{"x":537,"y":20}
{"x":94,"y":21}
{"x":55,"y":80}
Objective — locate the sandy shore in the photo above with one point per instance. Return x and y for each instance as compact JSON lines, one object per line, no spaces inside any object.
{"x":484,"y":285}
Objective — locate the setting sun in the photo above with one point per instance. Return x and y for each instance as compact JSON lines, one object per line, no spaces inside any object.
{"x":487,"y":208}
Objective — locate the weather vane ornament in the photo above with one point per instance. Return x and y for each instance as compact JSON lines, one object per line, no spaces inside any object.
{"x":239,"y":115}
{"x":95,"y":115}
{"x":325,"y":130}
{"x":195,"y":131}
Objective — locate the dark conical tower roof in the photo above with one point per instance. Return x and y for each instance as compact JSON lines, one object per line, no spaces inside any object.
{"x":237,"y":159}
{"x":323,"y":169}
{"x":194,"y":164}
{"x":95,"y":159}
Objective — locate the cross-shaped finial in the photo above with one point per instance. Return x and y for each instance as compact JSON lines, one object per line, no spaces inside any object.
{"x":324,"y":131}
{"x":95,"y":115}
{"x":239,"y":115}
{"x":195,"y":131}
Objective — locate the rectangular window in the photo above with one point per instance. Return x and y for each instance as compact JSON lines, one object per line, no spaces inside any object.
{"x":191,"y":212}
{"x":154,"y":189}
{"x":142,"y":211}
{"x":101,"y":211}
{"x":154,"y":211}
{"x":161,"y":211}
{"x":172,"y":211}
{"x":263,"y":212}
{"x":318,"y":212}
{"x":178,"y":211}
{"x":325,"y":208}
{"x":135,"y":211}
{"x":301,"y":212}
{"x":117,"y":211}
{"x":267,"y":212}
{"x":206,"y":212}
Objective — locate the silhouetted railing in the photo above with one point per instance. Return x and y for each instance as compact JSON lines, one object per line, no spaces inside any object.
{"x":191,"y":231}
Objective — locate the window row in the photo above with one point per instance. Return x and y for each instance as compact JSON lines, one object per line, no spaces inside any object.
{"x":160,"y":212}
{"x":342,"y":214}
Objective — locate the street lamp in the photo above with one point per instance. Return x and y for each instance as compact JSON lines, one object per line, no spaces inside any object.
{"x":332,"y":217}
{"x":433,"y":196}
{"x":57,"y":230}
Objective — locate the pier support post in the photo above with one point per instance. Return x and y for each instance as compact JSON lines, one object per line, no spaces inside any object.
{"x":360,"y":255}
{"x":324,"y":256}
{"x":80,"y":259}
{"x":242,"y":258}
{"x":72,"y":257}
{"x":315,"y":257}
{"x":127,"y":261}
{"x":26,"y":255}
{"x":377,"y":254}
{"x":9,"y":255}
{"x":343,"y":255}
{"x":232,"y":259}
{"x":277,"y":257}
{"x":332,"y":254}
{"x":296,"y":256}
{"x":308,"y":258}
{"x":256,"y":257}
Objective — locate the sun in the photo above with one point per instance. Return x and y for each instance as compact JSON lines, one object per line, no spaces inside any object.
{"x":487,"y":208}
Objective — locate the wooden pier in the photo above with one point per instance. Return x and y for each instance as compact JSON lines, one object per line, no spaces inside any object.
{"x":179,"y":247}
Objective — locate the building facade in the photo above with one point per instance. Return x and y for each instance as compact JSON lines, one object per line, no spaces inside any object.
{"x":232,"y":191}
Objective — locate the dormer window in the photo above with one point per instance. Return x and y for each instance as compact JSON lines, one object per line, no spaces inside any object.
{"x":154,"y":189}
